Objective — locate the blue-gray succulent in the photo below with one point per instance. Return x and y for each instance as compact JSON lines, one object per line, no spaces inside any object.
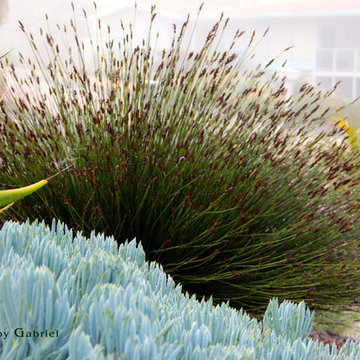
{"x":108,"y":302}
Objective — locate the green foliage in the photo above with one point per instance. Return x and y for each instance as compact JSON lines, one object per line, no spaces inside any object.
{"x":107,"y":302}
{"x":226,"y":181}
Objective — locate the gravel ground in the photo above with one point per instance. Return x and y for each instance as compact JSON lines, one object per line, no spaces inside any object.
{"x":328,"y":337}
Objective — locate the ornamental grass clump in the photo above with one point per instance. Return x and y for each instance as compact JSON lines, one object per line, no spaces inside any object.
{"x":227,"y":181}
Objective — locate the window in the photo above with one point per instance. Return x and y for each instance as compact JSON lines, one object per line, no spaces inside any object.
{"x":344,"y":60}
{"x":357,"y":93}
{"x":324,"y":59}
{"x":325,"y":82}
{"x":327,"y":37}
{"x":358,"y":60}
{"x":345,"y":88}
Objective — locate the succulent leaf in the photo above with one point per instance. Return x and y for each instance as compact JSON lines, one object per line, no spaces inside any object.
{"x":136,"y":313}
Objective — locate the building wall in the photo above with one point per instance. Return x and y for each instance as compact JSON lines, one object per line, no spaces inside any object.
{"x":326,"y":48}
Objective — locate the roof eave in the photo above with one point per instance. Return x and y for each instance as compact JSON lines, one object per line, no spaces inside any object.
{"x":277,"y":15}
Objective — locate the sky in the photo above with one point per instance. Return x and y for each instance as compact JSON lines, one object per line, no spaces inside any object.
{"x":33,"y":8}
{"x":187,"y":5}
{"x":183,"y":7}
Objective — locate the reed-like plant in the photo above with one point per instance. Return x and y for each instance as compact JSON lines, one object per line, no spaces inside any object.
{"x":224,"y":178}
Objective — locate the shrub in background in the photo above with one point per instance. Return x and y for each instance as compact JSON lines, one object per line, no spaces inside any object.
{"x":351,"y":130}
{"x":223,"y":178}
{"x":107,"y":302}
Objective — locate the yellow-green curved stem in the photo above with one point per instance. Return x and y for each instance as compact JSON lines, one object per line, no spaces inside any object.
{"x":8,"y":197}
{"x":6,"y":207}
